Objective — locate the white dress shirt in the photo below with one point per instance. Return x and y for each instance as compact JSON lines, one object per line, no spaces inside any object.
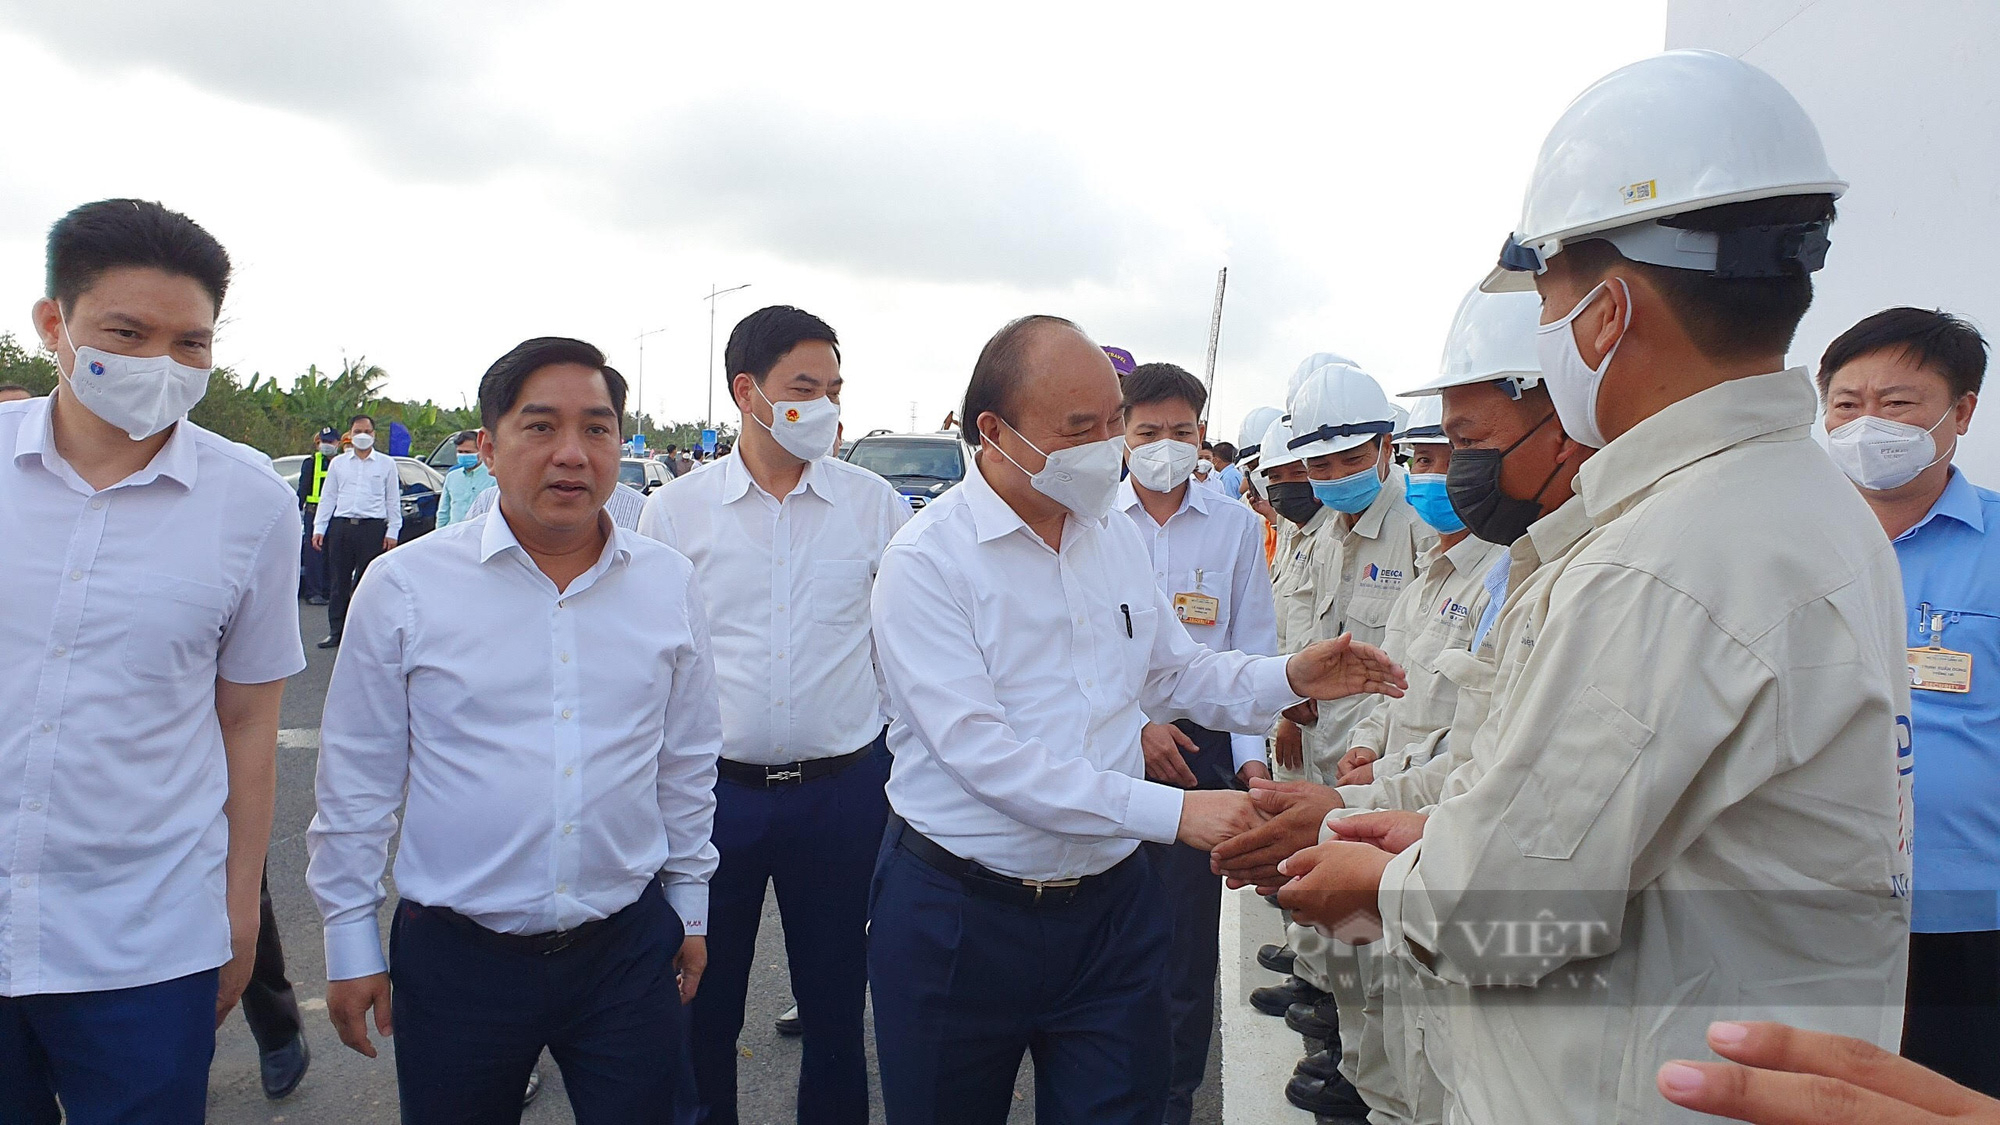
{"x":623,"y":506}
{"x":119,"y":609}
{"x":1019,"y":678}
{"x":362,"y":488}
{"x":557,"y":748}
{"x":787,"y":585}
{"x":1214,"y":546}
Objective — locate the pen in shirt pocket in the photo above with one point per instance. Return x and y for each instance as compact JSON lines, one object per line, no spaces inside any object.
{"x":1126,"y":609}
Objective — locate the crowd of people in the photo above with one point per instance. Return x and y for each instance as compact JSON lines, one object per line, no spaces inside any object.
{"x":1570,"y":714}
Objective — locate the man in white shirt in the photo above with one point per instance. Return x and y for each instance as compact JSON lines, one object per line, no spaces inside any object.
{"x":360,"y":515}
{"x":553,"y":724}
{"x":1024,"y":643}
{"x":148,"y":623}
{"x":785,"y":541}
{"x":1207,"y":553}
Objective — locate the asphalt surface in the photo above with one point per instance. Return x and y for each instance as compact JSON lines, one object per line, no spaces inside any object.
{"x":346,"y":1088}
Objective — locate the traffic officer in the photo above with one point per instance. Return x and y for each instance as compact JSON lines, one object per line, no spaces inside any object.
{"x":1024,"y":642}
{"x":785,"y":540}
{"x":1693,"y":809}
{"x":312,"y":481}
{"x":148,"y":621}
{"x":360,"y":515}
{"x":1899,"y":390}
{"x":1208,"y":559}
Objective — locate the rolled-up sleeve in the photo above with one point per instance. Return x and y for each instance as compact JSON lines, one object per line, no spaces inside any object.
{"x":364,"y":762}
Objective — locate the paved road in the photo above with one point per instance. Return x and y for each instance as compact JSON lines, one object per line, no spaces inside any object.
{"x":343,"y":1088}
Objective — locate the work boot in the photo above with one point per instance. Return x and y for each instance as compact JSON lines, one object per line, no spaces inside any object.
{"x":1319,"y":1020}
{"x":1277,"y":999}
{"x":1278,"y":958}
{"x":1323,"y":1065}
{"x":1336,"y":1101}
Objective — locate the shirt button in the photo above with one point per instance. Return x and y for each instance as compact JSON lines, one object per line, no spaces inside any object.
{"x":76,"y":576}
{"x":46,"y":728}
{"x":24,"y":881}
{"x":565,"y":658}
{"x":568,"y":828}
{"x":779,"y":608}
{"x":562,"y":888}
{"x":34,"y":806}
{"x":97,"y":505}
{"x":781,"y":656}
{"x":61,"y":651}
{"x":566,"y":712}
{"x":569,"y":770}
{"x":778,"y":703}
{"x":1090,"y":683}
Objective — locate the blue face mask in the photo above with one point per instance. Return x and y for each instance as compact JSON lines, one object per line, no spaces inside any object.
{"x":1351,"y":495}
{"x":467,"y":461}
{"x":1433,"y":503}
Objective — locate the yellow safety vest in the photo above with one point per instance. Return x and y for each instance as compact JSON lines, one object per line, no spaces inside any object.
{"x":319,"y":476}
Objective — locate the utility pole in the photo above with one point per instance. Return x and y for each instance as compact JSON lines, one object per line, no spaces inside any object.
{"x":708,"y":422}
{"x":639,"y":409}
{"x":1214,"y":339}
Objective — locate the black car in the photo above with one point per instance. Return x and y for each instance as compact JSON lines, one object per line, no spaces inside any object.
{"x":423,"y":487}
{"x":921,"y":466}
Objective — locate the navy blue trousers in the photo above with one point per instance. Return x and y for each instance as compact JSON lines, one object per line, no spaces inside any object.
{"x":964,"y":984}
{"x":472,"y":1017}
{"x":1194,"y":899}
{"x":130,"y":1056}
{"x":816,"y":842}
{"x":312,"y":563}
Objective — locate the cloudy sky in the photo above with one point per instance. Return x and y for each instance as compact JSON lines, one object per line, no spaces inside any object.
{"x":427,"y":182}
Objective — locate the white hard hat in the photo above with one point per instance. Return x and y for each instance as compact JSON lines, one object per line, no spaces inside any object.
{"x":1492,"y":339}
{"x":1307,"y":366}
{"x":1426,"y":424}
{"x":1674,"y":133}
{"x":1250,"y":436}
{"x":1402,"y":416}
{"x":1277,"y":446}
{"x":1338,"y":408}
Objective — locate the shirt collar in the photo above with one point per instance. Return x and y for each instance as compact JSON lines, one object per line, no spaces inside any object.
{"x":1196,"y":497}
{"x":1462,"y":555}
{"x":993,"y":517}
{"x":1696,"y":427}
{"x":176,"y":460}
{"x":737,"y":482}
{"x":497,"y":537}
{"x":1554,"y":534}
{"x":1958,"y":501}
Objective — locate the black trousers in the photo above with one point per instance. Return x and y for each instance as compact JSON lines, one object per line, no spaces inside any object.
{"x":1194,"y":901}
{"x":268,"y":1004}
{"x":1953,"y":1020}
{"x":351,"y":545}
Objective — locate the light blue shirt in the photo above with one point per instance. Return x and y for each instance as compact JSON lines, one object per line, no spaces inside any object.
{"x":1951,"y":564}
{"x":461,"y":488}
{"x":1232,"y":481}
{"x":1496,"y":596}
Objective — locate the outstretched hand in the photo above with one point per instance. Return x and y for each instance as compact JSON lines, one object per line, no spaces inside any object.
{"x":1793,"y":1077}
{"x":1295,"y":809}
{"x":1335,"y":886}
{"x":1342,"y":667}
{"x":1392,"y":830}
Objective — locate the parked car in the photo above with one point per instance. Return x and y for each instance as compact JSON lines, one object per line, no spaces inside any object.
{"x":642,"y":473}
{"x":921,"y":466}
{"x":445,"y":457}
{"x":423,"y":486}
{"x":289,"y":468}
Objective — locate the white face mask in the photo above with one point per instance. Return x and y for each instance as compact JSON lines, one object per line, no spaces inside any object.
{"x":1572,"y":383}
{"x":328,"y":448}
{"x":1257,"y":483}
{"x":1082,"y":478}
{"x":1164,"y":465}
{"x":1878,"y":454}
{"x":364,"y":442}
{"x":806,"y":430}
{"x":141,"y":395}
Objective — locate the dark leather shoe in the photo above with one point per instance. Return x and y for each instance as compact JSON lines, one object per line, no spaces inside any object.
{"x":316,"y":599}
{"x":1277,"y":958}
{"x":1319,"y":1021}
{"x":1323,"y":1065}
{"x":1336,"y":1101}
{"x":283,"y":1068}
{"x":329,"y":642}
{"x":789,"y":1024}
{"x":1277,"y":999}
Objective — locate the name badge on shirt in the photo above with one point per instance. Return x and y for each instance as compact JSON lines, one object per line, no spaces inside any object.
{"x":1196,"y":609}
{"x":1940,"y":669}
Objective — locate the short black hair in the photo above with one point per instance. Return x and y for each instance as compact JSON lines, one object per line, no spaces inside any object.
{"x":1162,"y":382}
{"x":5,"y":387}
{"x":114,"y":233}
{"x":766,"y":336}
{"x":1929,"y":338}
{"x":359,"y":417}
{"x":1225,"y":452}
{"x":1001,"y":366}
{"x":500,"y":387}
{"x":463,"y":436}
{"x":1726,"y":317}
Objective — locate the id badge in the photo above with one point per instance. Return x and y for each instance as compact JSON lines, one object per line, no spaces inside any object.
{"x":1940,"y":669}
{"x":1196,"y":609}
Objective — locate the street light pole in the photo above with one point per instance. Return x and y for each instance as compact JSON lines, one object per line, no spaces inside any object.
{"x":639,"y":413}
{"x":709,"y":422}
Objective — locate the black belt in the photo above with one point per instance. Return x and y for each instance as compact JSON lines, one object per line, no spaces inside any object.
{"x":357,"y":521}
{"x":790,"y":773}
{"x":988,"y":883}
{"x":555,"y":941}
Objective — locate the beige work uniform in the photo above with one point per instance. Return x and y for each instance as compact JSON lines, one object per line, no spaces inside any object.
{"x":1293,"y":577}
{"x":1358,"y":585}
{"x":1413,"y":1007}
{"x":1696,"y":798}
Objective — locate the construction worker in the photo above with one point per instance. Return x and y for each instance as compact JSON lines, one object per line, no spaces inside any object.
{"x":1697,"y":803}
